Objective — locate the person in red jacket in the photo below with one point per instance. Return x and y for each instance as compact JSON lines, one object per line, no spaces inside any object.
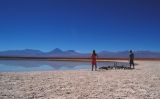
{"x":94,"y":62}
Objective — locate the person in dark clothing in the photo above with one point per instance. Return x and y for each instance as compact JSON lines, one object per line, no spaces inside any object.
{"x":94,"y":62}
{"x":131,"y":59}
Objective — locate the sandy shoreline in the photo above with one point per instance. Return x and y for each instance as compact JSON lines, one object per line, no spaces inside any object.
{"x":143,"y":82}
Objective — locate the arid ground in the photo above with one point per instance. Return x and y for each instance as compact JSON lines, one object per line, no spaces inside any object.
{"x":141,"y":83}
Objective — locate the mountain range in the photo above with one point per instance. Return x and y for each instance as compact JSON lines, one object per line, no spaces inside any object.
{"x":71,"y":54}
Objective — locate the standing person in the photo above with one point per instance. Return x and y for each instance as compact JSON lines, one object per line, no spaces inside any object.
{"x":94,"y":62}
{"x":131,"y":59}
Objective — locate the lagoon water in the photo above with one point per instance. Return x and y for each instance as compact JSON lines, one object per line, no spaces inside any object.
{"x":32,"y":65}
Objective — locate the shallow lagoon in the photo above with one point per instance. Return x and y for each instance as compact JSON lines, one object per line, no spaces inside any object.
{"x":34,"y":65}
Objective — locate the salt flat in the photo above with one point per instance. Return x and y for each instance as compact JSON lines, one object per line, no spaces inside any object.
{"x":142,"y":82}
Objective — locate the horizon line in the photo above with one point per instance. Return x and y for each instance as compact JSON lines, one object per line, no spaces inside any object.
{"x":78,"y":50}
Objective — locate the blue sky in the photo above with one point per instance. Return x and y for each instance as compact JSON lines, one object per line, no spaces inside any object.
{"x":81,"y":25}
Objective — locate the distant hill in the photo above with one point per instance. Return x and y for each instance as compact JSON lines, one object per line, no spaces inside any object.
{"x":124,"y":54}
{"x":37,"y":53}
{"x":26,"y":52}
{"x":71,"y":54}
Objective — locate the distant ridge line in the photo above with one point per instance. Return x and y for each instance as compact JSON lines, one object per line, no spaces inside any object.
{"x":58,"y":53}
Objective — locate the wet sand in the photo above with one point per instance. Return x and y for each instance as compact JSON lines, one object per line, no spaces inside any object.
{"x":141,"y":83}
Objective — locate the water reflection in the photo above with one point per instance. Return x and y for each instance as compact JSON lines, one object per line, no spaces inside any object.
{"x":30,"y":65}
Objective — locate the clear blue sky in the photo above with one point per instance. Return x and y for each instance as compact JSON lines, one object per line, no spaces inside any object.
{"x":81,"y":25}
